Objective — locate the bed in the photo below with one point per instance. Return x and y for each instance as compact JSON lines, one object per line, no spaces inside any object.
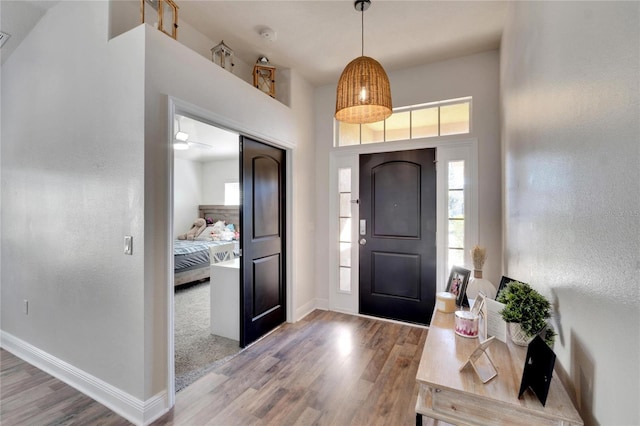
{"x":191,"y":258}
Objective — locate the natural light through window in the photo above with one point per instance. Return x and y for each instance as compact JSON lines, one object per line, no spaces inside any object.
{"x":455,"y":215}
{"x":344,"y":239}
{"x":231,"y":193}
{"x":443,"y":118}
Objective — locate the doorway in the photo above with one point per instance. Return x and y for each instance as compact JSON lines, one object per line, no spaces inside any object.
{"x":344,"y":207}
{"x":205,"y":188}
{"x":397,"y":235}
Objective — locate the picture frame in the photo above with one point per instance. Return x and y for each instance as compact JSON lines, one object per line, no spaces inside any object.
{"x":457,"y":284}
{"x":503,"y":283}
{"x":481,"y":362}
{"x":478,"y":304}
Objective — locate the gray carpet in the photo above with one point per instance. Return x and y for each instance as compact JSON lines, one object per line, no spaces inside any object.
{"x":197,"y":351}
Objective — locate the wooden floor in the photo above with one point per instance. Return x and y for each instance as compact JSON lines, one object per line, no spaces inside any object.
{"x":327,"y":369}
{"x":29,"y":396}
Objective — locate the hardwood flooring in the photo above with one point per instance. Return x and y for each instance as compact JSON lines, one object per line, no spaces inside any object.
{"x":29,"y":396}
{"x":327,"y":369}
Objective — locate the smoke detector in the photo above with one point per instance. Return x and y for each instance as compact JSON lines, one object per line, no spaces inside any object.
{"x":268,"y":34}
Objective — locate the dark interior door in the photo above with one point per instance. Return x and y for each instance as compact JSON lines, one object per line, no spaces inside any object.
{"x":262,"y":218}
{"x":398,"y":235}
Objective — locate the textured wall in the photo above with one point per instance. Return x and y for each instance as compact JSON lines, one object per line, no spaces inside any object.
{"x":570,"y":105}
{"x":72,"y":187}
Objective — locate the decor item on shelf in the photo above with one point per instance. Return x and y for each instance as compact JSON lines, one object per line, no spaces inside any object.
{"x":445,"y":302}
{"x":364,"y":93}
{"x":264,"y":76}
{"x":477,"y":283}
{"x":466,"y":324}
{"x":503,"y":283}
{"x":167,"y":15}
{"x":526,"y":311}
{"x":222,"y":55}
{"x":457,"y":284}
{"x":478,"y":255}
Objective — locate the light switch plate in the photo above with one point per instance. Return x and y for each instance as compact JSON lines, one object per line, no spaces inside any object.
{"x":128,"y":244}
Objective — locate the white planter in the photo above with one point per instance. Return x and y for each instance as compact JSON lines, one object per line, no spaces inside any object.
{"x":517,"y":335}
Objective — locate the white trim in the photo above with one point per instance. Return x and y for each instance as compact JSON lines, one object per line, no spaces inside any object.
{"x":447,"y":147}
{"x":131,"y":408}
{"x":193,"y":111}
{"x":469,"y":154}
{"x":311,"y":306}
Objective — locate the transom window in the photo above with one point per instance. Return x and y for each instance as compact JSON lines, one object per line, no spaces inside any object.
{"x":451,"y":117}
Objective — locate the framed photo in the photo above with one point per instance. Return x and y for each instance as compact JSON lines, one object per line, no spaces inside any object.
{"x":478,"y":304}
{"x":457,"y":284}
{"x":503,"y":283}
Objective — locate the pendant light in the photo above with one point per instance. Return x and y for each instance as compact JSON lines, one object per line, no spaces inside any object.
{"x":364,"y":93}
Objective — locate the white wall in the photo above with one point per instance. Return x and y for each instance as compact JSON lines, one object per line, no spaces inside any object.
{"x":570,"y":106}
{"x":72,"y":187}
{"x":214,"y":175}
{"x":96,"y":168}
{"x":474,"y":75}
{"x":187,"y":194}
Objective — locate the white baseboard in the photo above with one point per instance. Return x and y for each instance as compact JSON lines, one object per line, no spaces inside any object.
{"x":133,"y":409}
{"x":309,"y":307}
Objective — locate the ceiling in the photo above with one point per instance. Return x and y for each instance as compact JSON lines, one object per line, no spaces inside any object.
{"x":206,"y":142}
{"x":316,"y":38}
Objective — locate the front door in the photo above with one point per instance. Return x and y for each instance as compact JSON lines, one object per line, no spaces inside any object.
{"x":397,"y":235}
{"x":262,"y":218}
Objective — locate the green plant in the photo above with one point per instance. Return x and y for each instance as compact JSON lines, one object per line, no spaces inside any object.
{"x":527,"y":307}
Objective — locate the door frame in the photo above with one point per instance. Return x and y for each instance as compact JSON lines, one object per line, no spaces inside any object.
{"x":178,"y":106}
{"x":447,"y":149}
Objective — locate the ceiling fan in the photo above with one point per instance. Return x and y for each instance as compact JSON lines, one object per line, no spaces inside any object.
{"x":181,"y":141}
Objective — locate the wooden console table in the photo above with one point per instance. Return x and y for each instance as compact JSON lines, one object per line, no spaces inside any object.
{"x":460,"y":397}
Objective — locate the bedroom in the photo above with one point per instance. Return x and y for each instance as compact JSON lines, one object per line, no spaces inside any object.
{"x":206,"y":193}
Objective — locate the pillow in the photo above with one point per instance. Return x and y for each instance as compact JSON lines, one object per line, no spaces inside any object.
{"x":205,"y":235}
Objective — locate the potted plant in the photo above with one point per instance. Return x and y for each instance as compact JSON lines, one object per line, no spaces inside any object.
{"x":527,"y":312}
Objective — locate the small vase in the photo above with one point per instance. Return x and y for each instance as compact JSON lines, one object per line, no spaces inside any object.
{"x":477,"y":285}
{"x":517,"y":335}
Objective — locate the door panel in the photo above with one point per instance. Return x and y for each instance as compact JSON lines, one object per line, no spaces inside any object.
{"x":262,"y":292}
{"x":398,"y":248}
{"x":402,"y":217}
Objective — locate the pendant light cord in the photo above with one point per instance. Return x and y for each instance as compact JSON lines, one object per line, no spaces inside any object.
{"x":362,"y":28}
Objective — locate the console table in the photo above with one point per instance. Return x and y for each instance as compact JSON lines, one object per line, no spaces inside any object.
{"x":459,"y":397}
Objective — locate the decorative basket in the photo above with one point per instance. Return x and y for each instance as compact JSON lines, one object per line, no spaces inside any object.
{"x":517,"y":335}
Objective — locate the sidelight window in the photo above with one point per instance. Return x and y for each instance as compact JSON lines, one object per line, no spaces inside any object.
{"x":345,"y":239}
{"x":455,"y":214}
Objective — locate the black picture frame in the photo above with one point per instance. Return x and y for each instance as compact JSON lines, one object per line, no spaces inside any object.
{"x":538,"y":369}
{"x":503,"y":283}
{"x":457,"y":284}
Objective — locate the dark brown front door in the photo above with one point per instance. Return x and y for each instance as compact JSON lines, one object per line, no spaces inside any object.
{"x":262,"y":218}
{"x":398,"y":235}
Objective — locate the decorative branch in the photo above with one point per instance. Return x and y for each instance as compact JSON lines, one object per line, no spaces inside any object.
{"x":479,"y":255}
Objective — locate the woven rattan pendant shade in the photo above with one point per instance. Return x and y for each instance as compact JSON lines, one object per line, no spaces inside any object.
{"x":363,"y":72}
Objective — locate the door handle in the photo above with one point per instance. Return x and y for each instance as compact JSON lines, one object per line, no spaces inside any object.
{"x":362,"y":241}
